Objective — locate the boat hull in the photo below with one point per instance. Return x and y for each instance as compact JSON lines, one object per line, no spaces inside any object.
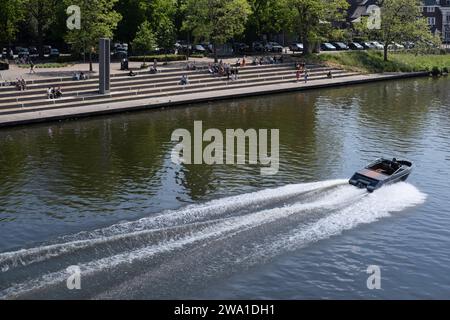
{"x":371,"y":179}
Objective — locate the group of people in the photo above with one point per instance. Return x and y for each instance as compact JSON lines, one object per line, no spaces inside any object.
{"x":154,"y":67}
{"x":21,"y":84}
{"x":301,"y":68}
{"x":79,"y":76}
{"x":191,"y":66}
{"x":222,"y":69}
{"x":258,"y":61}
{"x":54,"y":92}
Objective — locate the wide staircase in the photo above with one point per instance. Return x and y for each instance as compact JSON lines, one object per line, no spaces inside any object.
{"x":147,"y":86}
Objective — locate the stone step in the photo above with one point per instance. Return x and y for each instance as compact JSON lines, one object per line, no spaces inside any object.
{"x":32,"y":94}
{"x":169,"y":86}
{"x":73,"y":85}
{"x":43,"y":83}
{"x":131,"y":96}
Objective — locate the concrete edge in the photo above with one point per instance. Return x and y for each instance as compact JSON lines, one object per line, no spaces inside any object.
{"x":75,"y":113}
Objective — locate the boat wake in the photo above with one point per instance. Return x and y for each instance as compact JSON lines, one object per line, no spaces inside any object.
{"x":181,"y":248}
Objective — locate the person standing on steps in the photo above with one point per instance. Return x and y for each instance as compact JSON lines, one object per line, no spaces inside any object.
{"x":306,"y":75}
{"x":298,"y":73}
{"x":32,"y":67}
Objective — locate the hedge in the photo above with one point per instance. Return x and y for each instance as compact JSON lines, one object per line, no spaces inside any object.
{"x":4,"y":65}
{"x":159,"y":57}
{"x":46,"y":65}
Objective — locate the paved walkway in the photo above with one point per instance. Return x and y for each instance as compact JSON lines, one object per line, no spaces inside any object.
{"x":84,"y":111}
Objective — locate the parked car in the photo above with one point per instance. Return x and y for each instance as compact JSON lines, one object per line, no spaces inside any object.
{"x":367,"y":45}
{"x":409,"y":45}
{"x":273,"y":47}
{"x":120,"y":46}
{"x":296,"y":47}
{"x":23,"y":53}
{"x":47,"y":50}
{"x":340,"y":46}
{"x":355,"y":46}
{"x":327,"y":47}
{"x":396,"y":46}
{"x":377,"y":45}
{"x":240,"y":47}
{"x":258,"y":46}
{"x":208,"y":47}
{"x":182,"y":46}
{"x":54,"y":53}
{"x":120,"y":54}
{"x":33,"y":50}
{"x":198,"y":48}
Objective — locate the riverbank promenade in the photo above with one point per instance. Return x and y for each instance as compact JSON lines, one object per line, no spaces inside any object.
{"x":145,"y":90}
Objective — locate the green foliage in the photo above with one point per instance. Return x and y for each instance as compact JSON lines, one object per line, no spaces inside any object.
{"x":159,"y":57}
{"x":216,"y":21}
{"x":66,"y":59}
{"x":373,"y":61}
{"x":98,"y":20}
{"x":45,"y":65}
{"x":269,"y":16}
{"x":11,"y":13}
{"x":145,"y":40}
{"x":133,"y":12}
{"x":313,"y":19}
{"x":4,"y":65}
{"x":401,"y":20}
{"x":436,"y":71}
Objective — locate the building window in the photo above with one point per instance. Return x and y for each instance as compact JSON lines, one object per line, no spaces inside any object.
{"x":431,"y":21}
{"x":430,"y":9}
{"x":448,"y":19}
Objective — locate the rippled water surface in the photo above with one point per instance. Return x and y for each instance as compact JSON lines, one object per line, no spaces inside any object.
{"x":103,"y":194}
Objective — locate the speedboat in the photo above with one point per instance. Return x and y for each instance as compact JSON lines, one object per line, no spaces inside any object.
{"x":381,"y":172}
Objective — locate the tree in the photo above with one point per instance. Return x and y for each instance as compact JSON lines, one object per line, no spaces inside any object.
{"x":268,"y":16}
{"x":11,"y":13}
{"x":401,"y":20}
{"x":314,"y":19}
{"x":98,"y":20}
{"x":162,"y":15}
{"x":43,"y":14}
{"x":134,"y":14}
{"x":216,"y":21}
{"x":145,"y":40}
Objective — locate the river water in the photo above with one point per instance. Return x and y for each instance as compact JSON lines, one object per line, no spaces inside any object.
{"x":102,"y":194}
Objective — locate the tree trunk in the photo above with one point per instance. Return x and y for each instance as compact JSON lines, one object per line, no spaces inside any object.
{"x":386,"y":52}
{"x":40,"y":40}
{"x":306,"y":46}
{"x":90,"y":61}
{"x":216,"y":59}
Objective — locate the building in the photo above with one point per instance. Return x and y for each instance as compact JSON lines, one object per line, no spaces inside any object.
{"x":358,"y":9}
{"x":437,"y":13}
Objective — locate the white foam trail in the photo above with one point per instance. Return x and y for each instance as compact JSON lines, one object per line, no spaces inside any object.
{"x":377,"y":205}
{"x":367,"y":209}
{"x":188,"y":215}
{"x":225,"y":229}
